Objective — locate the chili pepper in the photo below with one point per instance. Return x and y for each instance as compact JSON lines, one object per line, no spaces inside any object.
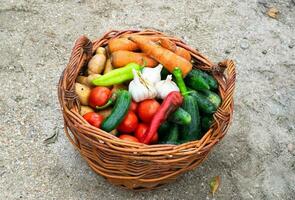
{"x":117,"y":76}
{"x":110,"y":102}
{"x":172,"y":101}
{"x":179,"y":81}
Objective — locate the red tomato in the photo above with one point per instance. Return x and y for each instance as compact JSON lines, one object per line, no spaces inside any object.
{"x":99,"y":96}
{"x":93,"y":118}
{"x":128,"y":138}
{"x":129,"y":123}
{"x":133,"y":106}
{"x":147,"y":109}
{"x":140,"y":131}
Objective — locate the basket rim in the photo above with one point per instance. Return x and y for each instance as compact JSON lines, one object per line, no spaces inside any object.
{"x":74,"y":121}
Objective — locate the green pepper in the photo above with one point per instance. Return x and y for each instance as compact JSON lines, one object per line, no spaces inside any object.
{"x":117,"y":76}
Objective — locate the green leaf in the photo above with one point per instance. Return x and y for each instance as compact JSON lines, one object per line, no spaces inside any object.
{"x":214,"y":184}
{"x":53,"y":138}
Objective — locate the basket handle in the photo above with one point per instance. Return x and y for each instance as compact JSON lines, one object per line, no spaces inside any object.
{"x":81,"y":53}
{"x":227,"y":81}
{"x":225,"y":73}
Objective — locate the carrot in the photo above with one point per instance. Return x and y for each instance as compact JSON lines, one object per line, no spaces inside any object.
{"x":168,"y":44}
{"x":183,"y":53}
{"x":164,"y":56}
{"x":122,"y":44}
{"x":125,"y":44}
{"x":122,"y":58}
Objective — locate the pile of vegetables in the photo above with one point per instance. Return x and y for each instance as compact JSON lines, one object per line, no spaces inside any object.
{"x":143,"y":89}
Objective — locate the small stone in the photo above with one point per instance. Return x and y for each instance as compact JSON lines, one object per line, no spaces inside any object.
{"x":291,"y":45}
{"x":290,"y":147}
{"x":227,"y":51}
{"x":264,"y":52}
{"x":244,"y":45}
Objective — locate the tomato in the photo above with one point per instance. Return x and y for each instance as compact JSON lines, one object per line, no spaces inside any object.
{"x":99,"y":96}
{"x":129,"y":138}
{"x":129,"y":123}
{"x":140,"y":131}
{"x":94,"y":119}
{"x":147,"y":109}
{"x":133,"y":106}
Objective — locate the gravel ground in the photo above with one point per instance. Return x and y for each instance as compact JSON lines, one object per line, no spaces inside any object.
{"x":255,"y":160}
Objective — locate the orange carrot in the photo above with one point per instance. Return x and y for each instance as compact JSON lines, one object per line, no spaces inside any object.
{"x":125,"y":44}
{"x":168,"y":44}
{"x":122,"y":44}
{"x":183,"y":53}
{"x":122,"y":58}
{"x":167,"y":58}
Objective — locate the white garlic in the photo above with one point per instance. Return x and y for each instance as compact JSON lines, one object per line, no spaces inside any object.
{"x":153,"y":75}
{"x":164,"y":87}
{"x":140,"y":88}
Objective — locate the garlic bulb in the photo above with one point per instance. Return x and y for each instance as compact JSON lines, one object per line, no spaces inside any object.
{"x":152,"y":74}
{"x":140,"y":88}
{"x":164,"y":87}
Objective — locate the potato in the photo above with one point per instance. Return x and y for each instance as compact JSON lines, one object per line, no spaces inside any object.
{"x":119,"y":87}
{"x":96,"y":64}
{"x":108,"y":66}
{"x":101,"y":50}
{"x":114,"y":132}
{"x":87,"y":80}
{"x":83,"y":93}
{"x":85,"y":109}
{"x":105,"y":112}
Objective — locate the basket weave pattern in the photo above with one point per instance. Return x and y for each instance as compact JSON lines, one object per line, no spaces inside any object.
{"x":131,"y":165}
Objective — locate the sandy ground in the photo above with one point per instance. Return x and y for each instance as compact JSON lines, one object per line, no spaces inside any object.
{"x":255,"y":160}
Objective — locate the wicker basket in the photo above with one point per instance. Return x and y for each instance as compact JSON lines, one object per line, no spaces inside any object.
{"x":139,"y":166}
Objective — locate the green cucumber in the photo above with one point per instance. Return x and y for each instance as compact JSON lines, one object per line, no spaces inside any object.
{"x":212,"y":97}
{"x":204,"y":104}
{"x":172,"y":137}
{"x":119,"y":111}
{"x":206,"y":122}
{"x":196,"y":81}
{"x":180,"y":116}
{"x":209,"y":80}
{"x":164,"y":73}
{"x":193,"y":130}
{"x":163,"y":130}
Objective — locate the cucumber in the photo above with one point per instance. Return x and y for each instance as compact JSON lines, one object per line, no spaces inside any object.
{"x":119,"y":111}
{"x":164,"y":73}
{"x":204,"y":104}
{"x":172,"y":137}
{"x":163,"y":130}
{"x":209,"y":80}
{"x":212,"y":97}
{"x":181,"y":117}
{"x":206,"y":122}
{"x":193,"y":130}
{"x":196,"y":81}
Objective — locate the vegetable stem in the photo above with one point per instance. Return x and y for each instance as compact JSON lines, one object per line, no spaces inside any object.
{"x":179,"y":81}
